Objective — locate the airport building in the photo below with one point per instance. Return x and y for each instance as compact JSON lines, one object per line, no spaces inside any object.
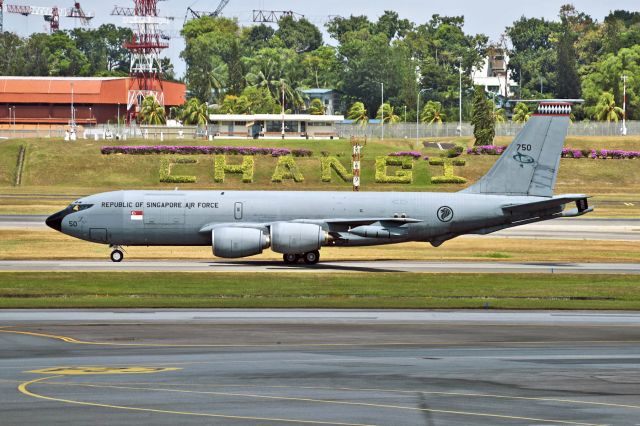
{"x":96,"y":100}
{"x":270,"y":125}
{"x":495,"y":76}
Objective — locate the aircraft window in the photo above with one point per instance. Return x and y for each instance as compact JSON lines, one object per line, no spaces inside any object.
{"x":80,"y":207}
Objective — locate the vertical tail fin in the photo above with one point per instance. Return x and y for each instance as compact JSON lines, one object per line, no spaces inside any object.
{"x":529,"y":165}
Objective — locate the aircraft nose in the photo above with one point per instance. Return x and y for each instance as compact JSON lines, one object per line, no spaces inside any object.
{"x":55,"y":220}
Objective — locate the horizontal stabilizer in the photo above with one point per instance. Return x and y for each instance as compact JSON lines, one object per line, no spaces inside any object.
{"x":559,"y":201}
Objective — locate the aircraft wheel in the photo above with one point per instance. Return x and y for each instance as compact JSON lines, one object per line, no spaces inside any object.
{"x":312,"y":257}
{"x":117,"y":256}
{"x":290,"y":258}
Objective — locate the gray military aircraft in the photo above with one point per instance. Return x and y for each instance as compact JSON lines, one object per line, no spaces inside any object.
{"x":517,"y":190}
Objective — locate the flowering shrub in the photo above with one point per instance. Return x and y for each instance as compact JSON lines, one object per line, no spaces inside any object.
{"x":414,"y":154}
{"x":448,"y":176}
{"x":286,"y":169}
{"x":401,"y":176}
{"x":566,"y":152}
{"x":205,"y":150}
{"x":327,"y":164}
{"x":165,"y":170}
{"x":221,"y":168}
{"x":486,"y":150}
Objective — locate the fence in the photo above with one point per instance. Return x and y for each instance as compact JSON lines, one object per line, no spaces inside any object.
{"x":409,"y":130}
{"x":372,"y":131}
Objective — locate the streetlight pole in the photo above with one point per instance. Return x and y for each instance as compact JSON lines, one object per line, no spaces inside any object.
{"x":460,"y":100}
{"x":282,"y":88}
{"x":382,"y":110}
{"x":624,"y":105}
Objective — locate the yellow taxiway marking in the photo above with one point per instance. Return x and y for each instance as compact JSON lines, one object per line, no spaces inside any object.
{"x":298,"y":399}
{"x":77,"y":371}
{"x":400,"y":391}
{"x":67,"y":339}
{"x":23,"y":388}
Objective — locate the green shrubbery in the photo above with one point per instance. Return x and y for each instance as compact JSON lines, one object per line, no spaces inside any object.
{"x":221,"y":168}
{"x":327,"y":164}
{"x":286,"y":169}
{"x":401,"y":176}
{"x":449,"y":175}
{"x":165,"y":170}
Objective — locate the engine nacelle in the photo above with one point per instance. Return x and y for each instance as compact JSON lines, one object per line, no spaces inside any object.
{"x":238,"y":242}
{"x":297,"y":238}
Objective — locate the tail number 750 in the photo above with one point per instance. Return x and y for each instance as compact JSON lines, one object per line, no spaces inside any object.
{"x":524,"y":147}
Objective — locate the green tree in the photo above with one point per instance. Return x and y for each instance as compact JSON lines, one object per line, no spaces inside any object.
{"x":316,"y":107}
{"x":13,"y":59}
{"x":321,"y":68}
{"x":358,"y":113}
{"x":195,"y":113}
{"x":151,"y":112}
{"x":568,"y":81}
{"x":482,"y":118}
{"x":218,"y":76}
{"x":65,"y":59}
{"x":299,"y":35}
{"x":432,"y":113}
{"x":606,"y":109}
{"x":389,"y":114}
{"x":232,"y":104}
{"x":260,"y":101}
{"x":521,"y":113}
{"x":499,"y":114}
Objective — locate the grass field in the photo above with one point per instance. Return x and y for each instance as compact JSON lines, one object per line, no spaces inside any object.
{"x":74,"y":169}
{"x":48,"y":244}
{"x":274,"y":290}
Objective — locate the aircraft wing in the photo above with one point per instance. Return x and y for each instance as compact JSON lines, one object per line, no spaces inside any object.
{"x":333,"y":224}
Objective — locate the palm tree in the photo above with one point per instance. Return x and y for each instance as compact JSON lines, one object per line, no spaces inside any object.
{"x":218,"y":78}
{"x":151,"y":112}
{"x":521,"y":113}
{"x":358,"y":113}
{"x":606,"y":109}
{"x":389,"y":115}
{"x":316,"y":107}
{"x":195,"y":113}
{"x":432,"y":113}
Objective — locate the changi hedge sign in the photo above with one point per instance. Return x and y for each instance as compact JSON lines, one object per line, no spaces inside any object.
{"x":226,"y":163}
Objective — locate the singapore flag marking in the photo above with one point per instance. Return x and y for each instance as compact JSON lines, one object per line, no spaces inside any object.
{"x":136,"y":215}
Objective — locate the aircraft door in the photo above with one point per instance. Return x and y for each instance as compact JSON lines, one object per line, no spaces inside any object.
{"x":98,"y":235}
{"x":237,"y":211}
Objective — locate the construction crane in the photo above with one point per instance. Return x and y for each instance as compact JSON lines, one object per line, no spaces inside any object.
{"x":195,"y":14}
{"x":52,"y":14}
{"x":273,"y":16}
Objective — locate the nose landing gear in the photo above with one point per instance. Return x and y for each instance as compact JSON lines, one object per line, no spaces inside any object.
{"x":117,"y":255}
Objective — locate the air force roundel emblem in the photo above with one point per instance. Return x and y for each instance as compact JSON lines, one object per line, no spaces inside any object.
{"x":445,"y":214}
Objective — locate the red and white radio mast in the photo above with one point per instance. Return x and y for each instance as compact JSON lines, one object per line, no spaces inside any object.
{"x":145,"y":47}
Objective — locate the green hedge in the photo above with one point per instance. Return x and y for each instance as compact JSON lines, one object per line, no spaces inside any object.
{"x":401,"y":176}
{"x":221,"y":168}
{"x":327,"y":164}
{"x":165,"y":170}
{"x":286,"y":169}
{"x":449,"y":175}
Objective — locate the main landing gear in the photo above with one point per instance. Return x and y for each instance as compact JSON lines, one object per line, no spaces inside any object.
{"x":310,"y":258}
{"x":117,"y":255}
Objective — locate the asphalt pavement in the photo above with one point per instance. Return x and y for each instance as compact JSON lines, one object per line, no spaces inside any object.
{"x":278,"y":367}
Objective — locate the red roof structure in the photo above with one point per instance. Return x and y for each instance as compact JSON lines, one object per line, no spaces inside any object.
{"x":48,"y":99}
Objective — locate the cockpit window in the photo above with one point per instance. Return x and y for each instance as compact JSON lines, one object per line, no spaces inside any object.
{"x":80,"y":207}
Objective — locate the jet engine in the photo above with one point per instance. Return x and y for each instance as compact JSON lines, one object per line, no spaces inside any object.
{"x":238,"y":242}
{"x":297,"y":238}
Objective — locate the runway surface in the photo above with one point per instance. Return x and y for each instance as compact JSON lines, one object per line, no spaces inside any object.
{"x":342,"y":266}
{"x":557,"y":229}
{"x":272,"y":367}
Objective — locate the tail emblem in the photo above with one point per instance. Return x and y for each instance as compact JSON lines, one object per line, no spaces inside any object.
{"x":523,"y":159}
